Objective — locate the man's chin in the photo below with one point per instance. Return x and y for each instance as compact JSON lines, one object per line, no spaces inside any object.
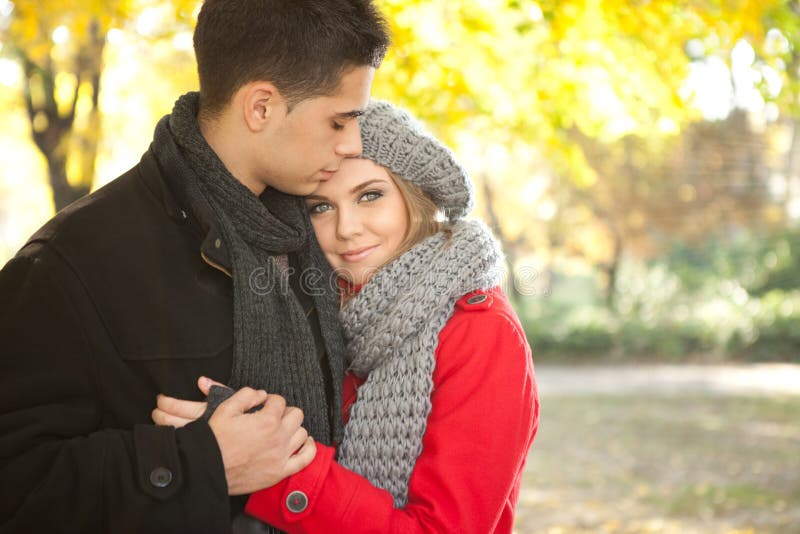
{"x":309,"y":190}
{"x":301,"y":189}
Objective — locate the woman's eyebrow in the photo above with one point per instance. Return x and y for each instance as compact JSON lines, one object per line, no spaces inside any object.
{"x":366,"y":184}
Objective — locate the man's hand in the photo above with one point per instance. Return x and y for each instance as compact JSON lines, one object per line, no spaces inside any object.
{"x":262,"y":448}
{"x":258,"y":449}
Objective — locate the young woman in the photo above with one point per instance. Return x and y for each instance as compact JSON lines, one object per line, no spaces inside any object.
{"x":440,"y":401}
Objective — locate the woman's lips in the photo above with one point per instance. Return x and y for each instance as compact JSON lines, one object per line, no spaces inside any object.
{"x":357,"y":255}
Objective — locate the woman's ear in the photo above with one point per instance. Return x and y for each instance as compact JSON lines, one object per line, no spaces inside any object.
{"x":259,"y":100}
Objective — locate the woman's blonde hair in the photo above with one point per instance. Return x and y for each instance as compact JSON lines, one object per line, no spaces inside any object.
{"x":424,"y":217}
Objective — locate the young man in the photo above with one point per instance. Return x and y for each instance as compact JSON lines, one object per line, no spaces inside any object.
{"x":185,"y":266}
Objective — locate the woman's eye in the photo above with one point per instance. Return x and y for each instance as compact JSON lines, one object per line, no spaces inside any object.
{"x":369,"y":196}
{"x":321,"y":207}
{"x":337,"y":126}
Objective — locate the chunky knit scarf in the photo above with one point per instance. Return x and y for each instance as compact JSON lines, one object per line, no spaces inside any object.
{"x":273,"y":342}
{"x":391,"y":329}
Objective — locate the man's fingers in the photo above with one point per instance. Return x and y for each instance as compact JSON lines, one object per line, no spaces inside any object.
{"x":302,"y":458}
{"x":205,"y":383}
{"x":274,"y":406}
{"x":292,"y":417}
{"x":163,"y":418}
{"x":181,"y":408}
{"x":241,"y":401}
{"x":298,"y":439}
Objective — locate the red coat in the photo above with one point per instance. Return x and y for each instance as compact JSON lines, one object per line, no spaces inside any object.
{"x":484,"y":415}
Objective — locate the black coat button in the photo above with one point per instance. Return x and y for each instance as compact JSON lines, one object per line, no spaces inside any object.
{"x":297,"y":501}
{"x":161,"y":477}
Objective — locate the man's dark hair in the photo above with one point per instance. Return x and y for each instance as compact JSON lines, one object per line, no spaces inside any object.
{"x":303,"y":47}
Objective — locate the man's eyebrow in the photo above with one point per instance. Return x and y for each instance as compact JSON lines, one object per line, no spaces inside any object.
{"x":350,"y":114}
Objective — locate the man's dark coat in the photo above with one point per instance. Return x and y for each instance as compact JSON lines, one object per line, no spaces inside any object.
{"x":119,"y":297}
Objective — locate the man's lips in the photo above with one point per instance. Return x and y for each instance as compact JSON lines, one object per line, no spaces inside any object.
{"x":357,"y":255}
{"x":326,"y":174}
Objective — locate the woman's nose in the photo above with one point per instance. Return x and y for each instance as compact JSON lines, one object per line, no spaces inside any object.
{"x":348,"y":224}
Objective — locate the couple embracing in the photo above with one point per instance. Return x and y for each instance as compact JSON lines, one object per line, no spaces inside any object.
{"x":399,"y":398}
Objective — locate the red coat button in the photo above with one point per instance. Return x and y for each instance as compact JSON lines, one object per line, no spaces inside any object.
{"x":475,"y":301}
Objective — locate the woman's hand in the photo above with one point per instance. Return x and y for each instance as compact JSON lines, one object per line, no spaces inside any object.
{"x":176,"y":412}
{"x":170,"y":411}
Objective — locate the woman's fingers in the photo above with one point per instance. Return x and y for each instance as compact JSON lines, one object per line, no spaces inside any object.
{"x":205,"y":383}
{"x":183,"y":409}
{"x":162,"y":418}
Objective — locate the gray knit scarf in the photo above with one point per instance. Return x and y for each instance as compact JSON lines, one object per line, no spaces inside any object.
{"x":273,"y":342}
{"x":391,"y":329}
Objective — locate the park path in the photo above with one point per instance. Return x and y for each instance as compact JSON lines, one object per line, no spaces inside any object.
{"x":728,"y":379}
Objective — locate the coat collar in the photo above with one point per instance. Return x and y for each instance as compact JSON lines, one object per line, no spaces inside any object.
{"x":158,"y":177}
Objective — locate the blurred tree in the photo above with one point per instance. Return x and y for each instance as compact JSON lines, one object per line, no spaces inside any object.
{"x":715,"y":178}
{"x":780,"y":51}
{"x":712,"y":179}
{"x":557,"y":106}
{"x":60,"y":44}
{"x":564,"y":83}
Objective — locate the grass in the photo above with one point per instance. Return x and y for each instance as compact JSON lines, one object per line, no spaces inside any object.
{"x":702,"y":464}
{"x":704,"y":500}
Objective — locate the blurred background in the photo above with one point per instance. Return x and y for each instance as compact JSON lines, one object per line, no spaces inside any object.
{"x":640,"y":162}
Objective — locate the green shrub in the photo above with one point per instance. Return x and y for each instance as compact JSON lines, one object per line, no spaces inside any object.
{"x":671,"y":340}
{"x":735,"y":298}
{"x":587,"y":339}
{"x":778,"y":340}
{"x":540,"y":338}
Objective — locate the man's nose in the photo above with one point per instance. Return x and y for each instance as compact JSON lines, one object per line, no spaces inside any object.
{"x":349,"y":145}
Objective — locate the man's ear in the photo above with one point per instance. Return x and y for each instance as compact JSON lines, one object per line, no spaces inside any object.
{"x":259,"y":102}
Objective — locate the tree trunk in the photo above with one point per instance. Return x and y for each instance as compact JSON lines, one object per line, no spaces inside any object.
{"x":612,"y":270}
{"x":508,"y":247}
{"x":52,"y":131}
{"x":91,"y":66}
{"x":63,"y":192}
{"x":791,"y":170}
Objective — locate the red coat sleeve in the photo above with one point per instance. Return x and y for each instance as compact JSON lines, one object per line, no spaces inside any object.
{"x":483,"y":419}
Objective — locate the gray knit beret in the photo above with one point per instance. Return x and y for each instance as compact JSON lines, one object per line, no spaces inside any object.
{"x":393,"y":139}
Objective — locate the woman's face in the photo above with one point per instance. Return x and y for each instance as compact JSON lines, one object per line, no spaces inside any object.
{"x":359,"y":217}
